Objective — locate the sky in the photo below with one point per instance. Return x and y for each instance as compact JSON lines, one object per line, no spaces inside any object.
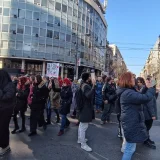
{"x":134,"y":26}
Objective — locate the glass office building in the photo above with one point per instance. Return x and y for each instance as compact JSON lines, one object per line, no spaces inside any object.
{"x":34,"y":32}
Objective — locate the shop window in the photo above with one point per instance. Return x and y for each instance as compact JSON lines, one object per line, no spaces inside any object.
{"x":21,"y":13}
{"x":68,"y":37}
{"x":28,"y":30}
{"x":58,"y":6}
{"x":49,"y":34}
{"x":56,"y":35}
{"x":20,"y":29}
{"x":42,"y":32}
{"x":36,"y":15}
{"x":62,"y":36}
{"x":4,"y":27}
{"x":44,"y":3}
{"x":35,"y":31}
{"x":28,"y":14}
{"x":13,"y":28}
{"x":57,"y":21}
{"x":70,"y":11}
{"x":6,"y":11}
{"x":64,"y":8}
{"x":19,"y":45}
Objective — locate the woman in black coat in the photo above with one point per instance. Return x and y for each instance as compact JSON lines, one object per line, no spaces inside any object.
{"x":132,"y":117}
{"x":39,"y":97}
{"x":66,"y":101}
{"x":21,"y":103}
{"x":7,"y":102}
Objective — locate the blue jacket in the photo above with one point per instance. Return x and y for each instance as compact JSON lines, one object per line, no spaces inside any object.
{"x":98,"y":93}
{"x":132,"y":116}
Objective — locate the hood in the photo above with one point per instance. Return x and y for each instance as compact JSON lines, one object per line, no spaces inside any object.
{"x":120,"y":90}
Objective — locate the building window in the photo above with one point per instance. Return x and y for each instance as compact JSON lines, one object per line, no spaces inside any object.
{"x":49,"y":24}
{"x":12,"y":44}
{"x":13,"y":28}
{"x":74,"y":12}
{"x":21,"y":13}
{"x":64,"y":8}
{"x":36,"y":15}
{"x":28,"y":30}
{"x":49,"y":48}
{"x":79,"y":15}
{"x":35,"y":31}
{"x":44,"y":3}
{"x":70,"y":11}
{"x":6,"y":11}
{"x":14,"y":12}
{"x":50,"y":18}
{"x":43,"y":17}
{"x":4,"y":44}
{"x":0,"y":10}
{"x":68,"y":37}
{"x":56,"y":35}
{"x":28,"y":14}
{"x":4,"y":27}
{"x":62,"y":36}
{"x":49,"y":34}
{"x":57,"y":21}
{"x":83,"y":17}
{"x":42,"y":32}
{"x":58,"y":6}
{"x":41,"y":47}
{"x":37,"y":2}
{"x":19,"y":45}
{"x":20,"y":29}
{"x":74,"y":26}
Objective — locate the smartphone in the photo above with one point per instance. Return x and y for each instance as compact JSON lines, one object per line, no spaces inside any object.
{"x":153,"y":82}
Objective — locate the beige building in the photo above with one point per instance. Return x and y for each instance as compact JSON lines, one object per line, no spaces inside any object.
{"x":152,"y":65}
{"x":117,"y":65}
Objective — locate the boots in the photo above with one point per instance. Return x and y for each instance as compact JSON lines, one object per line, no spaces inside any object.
{"x":61,"y":132}
{"x":23,"y":124}
{"x":150,"y":144}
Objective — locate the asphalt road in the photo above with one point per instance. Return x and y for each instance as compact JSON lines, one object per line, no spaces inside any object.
{"x":103,"y":140}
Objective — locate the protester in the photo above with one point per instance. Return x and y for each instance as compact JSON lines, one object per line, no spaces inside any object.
{"x":150,"y":111}
{"x":98,"y":94}
{"x":86,"y":113}
{"x":39,"y":96}
{"x":132,"y":116}
{"x":109,"y":97}
{"x":66,"y":100}
{"x":21,"y":104}
{"x":7,"y":102}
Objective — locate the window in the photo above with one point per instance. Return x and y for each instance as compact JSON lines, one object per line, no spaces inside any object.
{"x":13,"y":28}
{"x":28,"y":14}
{"x":75,"y":13}
{"x":68,"y":37}
{"x":49,"y":34}
{"x":28,"y":30}
{"x":69,"y":24}
{"x":49,"y":24}
{"x":79,"y":15}
{"x":4,"y":27}
{"x":35,"y":31}
{"x":41,"y":47}
{"x":48,"y":48}
{"x":57,"y":21}
{"x":42,"y":32}
{"x":4,"y":44}
{"x":6,"y":11}
{"x":74,"y":26}
{"x":20,"y":29}
{"x":82,"y":42}
{"x":37,"y":2}
{"x":43,"y":17}
{"x":14,"y":13}
{"x":70,"y":11}
{"x":0,"y":10}
{"x":56,"y":35}
{"x":44,"y":3}
{"x":83,"y":17}
{"x":34,"y":46}
{"x":12,"y":44}
{"x":21,"y":13}
{"x":58,"y":6}
{"x":64,"y":8}
{"x":62,"y":36}
{"x":50,"y":18}
{"x":19,"y":45}
{"x":36,"y":15}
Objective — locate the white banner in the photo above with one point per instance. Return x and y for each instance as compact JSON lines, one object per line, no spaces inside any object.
{"x":53,"y":70}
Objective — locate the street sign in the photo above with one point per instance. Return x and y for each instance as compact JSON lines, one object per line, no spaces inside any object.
{"x":53,"y":70}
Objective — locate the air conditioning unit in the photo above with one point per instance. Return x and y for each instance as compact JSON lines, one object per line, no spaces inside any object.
{"x":14,"y":32}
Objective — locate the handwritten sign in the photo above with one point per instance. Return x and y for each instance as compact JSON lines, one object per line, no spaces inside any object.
{"x":53,"y":70}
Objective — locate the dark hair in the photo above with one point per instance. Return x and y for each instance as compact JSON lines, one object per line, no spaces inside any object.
{"x":104,"y":78}
{"x":125,"y":80}
{"x":32,"y":77}
{"x":85,"y":76}
{"x":4,"y":78}
{"x":109,"y":79}
{"x":39,"y":79}
{"x":140,"y":79}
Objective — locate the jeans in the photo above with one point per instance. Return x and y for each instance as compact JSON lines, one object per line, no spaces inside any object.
{"x":82,"y":132}
{"x":97,"y":107}
{"x":108,"y":109}
{"x":128,"y":151}
{"x":64,"y":122}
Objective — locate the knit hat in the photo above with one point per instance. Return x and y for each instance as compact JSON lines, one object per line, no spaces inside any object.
{"x":67,"y":81}
{"x":85,"y":76}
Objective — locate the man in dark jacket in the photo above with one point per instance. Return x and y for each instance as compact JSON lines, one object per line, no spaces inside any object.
{"x":86,"y":113}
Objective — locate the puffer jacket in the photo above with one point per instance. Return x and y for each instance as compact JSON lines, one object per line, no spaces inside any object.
{"x":7,"y":96}
{"x":132,"y":115}
{"x":98,"y":93}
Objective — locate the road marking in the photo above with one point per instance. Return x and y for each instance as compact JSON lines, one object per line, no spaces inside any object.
{"x":101,"y":156}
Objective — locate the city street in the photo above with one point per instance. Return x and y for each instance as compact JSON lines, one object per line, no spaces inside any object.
{"x":103,"y":140}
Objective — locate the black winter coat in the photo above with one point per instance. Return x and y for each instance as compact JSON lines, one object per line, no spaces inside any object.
{"x":150,"y":108}
{"x":21,"y":99}
{"x":39,"y":97}
{"x":7,"y":96}
{"x":66,"y":100}
{"x":86,"y":114}
{"x":132,"y":116}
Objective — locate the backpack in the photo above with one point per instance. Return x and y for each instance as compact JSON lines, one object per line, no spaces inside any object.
{"x":79,"y":98}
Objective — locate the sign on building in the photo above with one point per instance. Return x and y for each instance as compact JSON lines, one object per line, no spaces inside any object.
{"x":53,"y":70}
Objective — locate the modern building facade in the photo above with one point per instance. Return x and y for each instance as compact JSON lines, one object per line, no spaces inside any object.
{"x":117,"y":65}
{"x":152,"y":65}
{"x":34,"y":32}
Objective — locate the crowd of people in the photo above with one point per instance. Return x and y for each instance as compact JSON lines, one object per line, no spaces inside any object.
{"x":134,"y":101}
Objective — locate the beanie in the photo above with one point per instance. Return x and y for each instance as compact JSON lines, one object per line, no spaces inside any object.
{"x":67,"y":81}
